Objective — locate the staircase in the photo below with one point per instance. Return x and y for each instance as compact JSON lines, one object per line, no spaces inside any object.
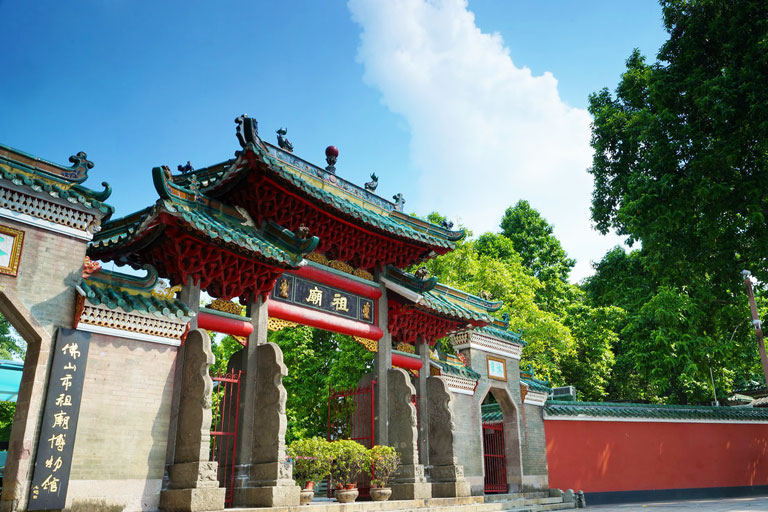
{"x":515,"y":502}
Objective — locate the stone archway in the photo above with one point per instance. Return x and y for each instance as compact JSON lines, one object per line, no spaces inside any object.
{"x":29,"y":404}
{"x":512,"y":444}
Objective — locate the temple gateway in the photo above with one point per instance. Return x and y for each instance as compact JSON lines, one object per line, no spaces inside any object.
{"x":116,"y":398}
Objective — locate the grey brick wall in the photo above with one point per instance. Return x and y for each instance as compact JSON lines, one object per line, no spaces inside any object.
{"x":534,"y":442}
{"x":51,"y":264}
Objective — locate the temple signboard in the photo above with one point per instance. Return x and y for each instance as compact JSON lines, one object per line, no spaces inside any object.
{"x":303,"y":292}
{"x":57,"y":433}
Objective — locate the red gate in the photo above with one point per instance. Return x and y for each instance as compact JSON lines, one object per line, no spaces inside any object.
{"x":351,"y":416}
{"x":493,"y":458}
{"x":226,"y":398}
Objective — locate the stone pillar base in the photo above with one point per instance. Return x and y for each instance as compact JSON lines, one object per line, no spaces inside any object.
{"x":411,"y":491}
{"x":192,"y":500}
{"x":267,"y":496}
{"x":451,"y":489}
{"x":448,"y":481}
{"x":193,"y":488}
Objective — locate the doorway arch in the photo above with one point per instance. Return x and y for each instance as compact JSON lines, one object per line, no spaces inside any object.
{"x":510,"y":430}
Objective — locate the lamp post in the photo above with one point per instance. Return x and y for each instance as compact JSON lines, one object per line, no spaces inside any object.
{"x":756,"y":322}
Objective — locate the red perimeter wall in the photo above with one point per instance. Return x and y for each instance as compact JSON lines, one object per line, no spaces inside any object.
{"x":604,"y":456}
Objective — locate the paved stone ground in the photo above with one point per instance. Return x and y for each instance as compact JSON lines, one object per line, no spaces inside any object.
{"x":751,"y":504}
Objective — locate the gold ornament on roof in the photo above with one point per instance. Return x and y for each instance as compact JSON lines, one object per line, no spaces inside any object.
{"x":226,"y":306}
{"x":163,"y":291}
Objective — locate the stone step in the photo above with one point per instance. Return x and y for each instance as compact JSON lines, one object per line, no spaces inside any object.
{"x":516,"y":495}
{"x":515,"y":502}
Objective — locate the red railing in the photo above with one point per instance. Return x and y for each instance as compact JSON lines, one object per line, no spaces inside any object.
{"x":493,"y":458}
{"x":351,"y":416}
{"x":226,"y":412}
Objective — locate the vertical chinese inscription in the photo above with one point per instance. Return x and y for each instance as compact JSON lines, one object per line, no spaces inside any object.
{"x":57,"y":433}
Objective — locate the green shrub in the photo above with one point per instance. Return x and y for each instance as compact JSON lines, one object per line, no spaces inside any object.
{"x":383,"y":460}
{"x":312,"y":459}
{"x":349,"y":458}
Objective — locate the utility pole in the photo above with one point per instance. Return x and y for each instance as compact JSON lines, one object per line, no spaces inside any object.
{"x":756,"y":322}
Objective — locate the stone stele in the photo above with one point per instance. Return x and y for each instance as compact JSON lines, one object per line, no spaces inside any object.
{"x":193,"y":485}
{"x":410,"y":483}
{"x":268,"y":480}
{"x":446,"y":474}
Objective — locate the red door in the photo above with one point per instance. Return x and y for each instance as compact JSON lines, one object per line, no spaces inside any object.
{"x":493,"y":458}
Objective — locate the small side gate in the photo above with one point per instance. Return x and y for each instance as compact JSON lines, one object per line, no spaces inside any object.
{"x":226,"y":397}
{"x":493,"y":458}
{"x":351,"y":416}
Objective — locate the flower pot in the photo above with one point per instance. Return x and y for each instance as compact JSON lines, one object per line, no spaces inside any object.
{"x":380,"y":493}
{"x":350,"y":486}
{"x":346,"y":495}
{"x":306,"y":496}
{"x":309,"y":486}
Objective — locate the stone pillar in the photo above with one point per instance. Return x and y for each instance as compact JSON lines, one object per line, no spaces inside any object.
{"x":446,"y":474}
{"x":264,"y":477}
{"x":423,"y":403}
{"x":410,"y":483}
{"x":190,"y":295}
{"x":248,"y":362}
{"x":193,"y":485}
{"x":382,"y":364}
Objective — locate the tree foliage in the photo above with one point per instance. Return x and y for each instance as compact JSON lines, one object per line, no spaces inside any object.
{"x":569,"y":341}
{"x":681,"y":166}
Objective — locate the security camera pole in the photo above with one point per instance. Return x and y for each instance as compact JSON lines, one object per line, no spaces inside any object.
{"x":756,"y":322}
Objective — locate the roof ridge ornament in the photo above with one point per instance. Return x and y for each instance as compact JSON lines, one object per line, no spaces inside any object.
{"x":79,"y":171}
{"x":282,"y":141}
{"x":331,"y":155}
{"x":247,"y":130}
{"x":399,"y":201}
{"x":371,"y":186}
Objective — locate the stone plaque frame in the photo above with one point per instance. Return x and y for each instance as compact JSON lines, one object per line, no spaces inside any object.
{"x":497,"y":368}
{"x":11,"y":241}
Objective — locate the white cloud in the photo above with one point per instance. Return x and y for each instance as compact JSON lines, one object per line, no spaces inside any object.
{"x":484,"y":132}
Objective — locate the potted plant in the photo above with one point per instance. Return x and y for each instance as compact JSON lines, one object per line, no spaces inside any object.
{"x":349,"y":459}
{"x":383,"y":462}
{"x":311,"y":463}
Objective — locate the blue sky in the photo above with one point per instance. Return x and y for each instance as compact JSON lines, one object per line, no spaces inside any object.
{"x":422,"y":93}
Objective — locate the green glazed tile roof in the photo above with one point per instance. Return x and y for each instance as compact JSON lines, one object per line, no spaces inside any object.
{"x":39,"y":181}
{"x":211,"y":219}
{"x":113,"y":297}
{"x":654,"y":411}
{"x":402,"y":226}
{"x":453,"y":365}
{"x":511,"y":336}
{"x":446,"y":305}
{"x":444,"y":300}
{"x":491,"y":413}
{"x":536,"y":384}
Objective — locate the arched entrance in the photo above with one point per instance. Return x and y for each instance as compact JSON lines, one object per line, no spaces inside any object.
{"x":502,"y":463}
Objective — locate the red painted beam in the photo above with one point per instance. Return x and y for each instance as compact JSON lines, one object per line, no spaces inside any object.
{"x":332,"y":279}
{"x":314,"y":318}
{"x":409,"y":363}
{"x":223,"y":324}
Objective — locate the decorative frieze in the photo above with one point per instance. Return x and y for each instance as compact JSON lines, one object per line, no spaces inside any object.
{"x":532,"y":397}
{"x":487,"y":343}
{"x":26,"y":206}
{"x":127,"y":325}
{"x":459,"y":384}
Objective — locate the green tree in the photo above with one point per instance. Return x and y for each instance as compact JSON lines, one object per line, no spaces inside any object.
{"x":681,"y":150}
{"x":680,"y":165}
{"x":533,"y":239}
